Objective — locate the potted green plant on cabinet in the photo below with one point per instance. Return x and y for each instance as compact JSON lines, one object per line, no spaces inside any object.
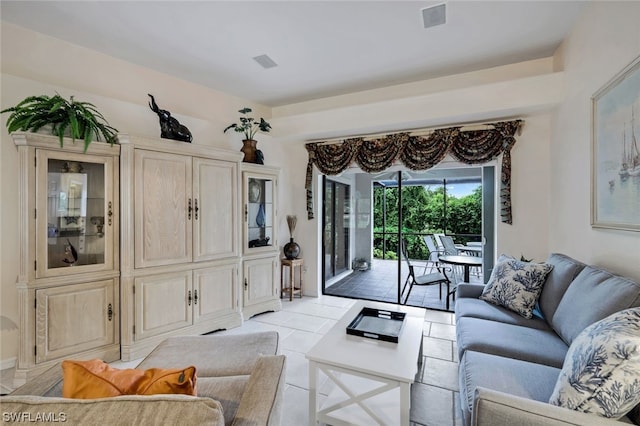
{"x":249,"y":126}
{"x":79,"y":120}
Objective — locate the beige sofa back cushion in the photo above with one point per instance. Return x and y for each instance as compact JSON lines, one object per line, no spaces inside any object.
{"x":121,"y":410}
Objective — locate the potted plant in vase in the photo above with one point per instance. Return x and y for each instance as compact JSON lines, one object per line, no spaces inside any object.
{"x":78,"y":120}
{"x":249,"y":126}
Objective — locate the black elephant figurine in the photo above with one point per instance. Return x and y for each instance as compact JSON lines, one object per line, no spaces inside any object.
{"x":170,"y":128}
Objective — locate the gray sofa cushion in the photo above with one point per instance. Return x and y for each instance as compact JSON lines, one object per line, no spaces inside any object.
{"x":511,"y":341}
{"x":565,"y":269}
{"x":515,"y":377}
{"x":593,"y":295}
{"x":476,"y":308}
{"x":471,"y":290}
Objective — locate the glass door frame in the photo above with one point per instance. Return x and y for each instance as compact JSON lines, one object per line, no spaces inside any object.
{"x":347,"y":254}
{"x":43,"y":231}
{"x":267,"y":198}
{"x":487,"y":181}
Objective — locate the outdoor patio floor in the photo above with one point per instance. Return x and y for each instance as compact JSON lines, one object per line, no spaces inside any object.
{"x":379,"y":283}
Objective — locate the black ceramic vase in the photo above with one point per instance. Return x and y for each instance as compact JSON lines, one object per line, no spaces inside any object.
{"x":291,"y":250}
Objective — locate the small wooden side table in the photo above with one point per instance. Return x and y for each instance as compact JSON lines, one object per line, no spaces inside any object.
{"x":292,"y":289}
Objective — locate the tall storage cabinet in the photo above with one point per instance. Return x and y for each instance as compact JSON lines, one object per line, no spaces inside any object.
{"x":68,"y":286}
{"x":259,"y":239}
{"x":180,"y":267}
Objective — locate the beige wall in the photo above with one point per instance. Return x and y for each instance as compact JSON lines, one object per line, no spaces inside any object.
{"x":603,"y":42}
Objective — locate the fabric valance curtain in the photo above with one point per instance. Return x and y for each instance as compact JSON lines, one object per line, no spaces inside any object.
{"x":418,"y":153}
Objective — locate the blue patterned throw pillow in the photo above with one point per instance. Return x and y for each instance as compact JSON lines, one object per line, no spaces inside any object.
{"x":516,"y":285}
{"x":601,"y":371}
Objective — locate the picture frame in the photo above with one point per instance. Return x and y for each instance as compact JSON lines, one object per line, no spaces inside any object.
{"x":615,"y":159}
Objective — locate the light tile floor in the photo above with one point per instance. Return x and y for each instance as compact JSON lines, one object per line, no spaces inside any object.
{"x":302,"y":322}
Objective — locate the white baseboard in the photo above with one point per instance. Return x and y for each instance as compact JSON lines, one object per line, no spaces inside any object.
{"x":8,"y":363}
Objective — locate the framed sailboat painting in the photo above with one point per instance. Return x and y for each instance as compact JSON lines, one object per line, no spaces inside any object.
{"x":615,"y":134}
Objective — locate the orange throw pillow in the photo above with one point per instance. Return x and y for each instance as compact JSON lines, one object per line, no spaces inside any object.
{"x":96,"y":379}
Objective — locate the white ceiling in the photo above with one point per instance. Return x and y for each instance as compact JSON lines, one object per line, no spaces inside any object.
{"x":323,"y":48}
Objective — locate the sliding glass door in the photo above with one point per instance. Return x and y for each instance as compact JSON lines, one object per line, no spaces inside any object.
{"x":409,"y":206}
{"x":399,"y":206}
{"x":336,"y":222}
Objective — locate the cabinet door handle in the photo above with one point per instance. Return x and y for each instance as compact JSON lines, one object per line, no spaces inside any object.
{"x":189,"y":298}
{"x":195,"y":297}
{"x":189,"y":209}
{"x":197,"y":209}
{"x":246,"y":284}
{"x":109,"y":312}
{"x":110,"y":211}
{"x":246,"y":213}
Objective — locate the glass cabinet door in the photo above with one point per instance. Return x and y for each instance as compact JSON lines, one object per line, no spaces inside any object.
{"x":74,"y":213}
{"x":259,"y":212}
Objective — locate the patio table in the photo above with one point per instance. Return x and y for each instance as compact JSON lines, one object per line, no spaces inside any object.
{"x":471,"y":250}
{"x":465,"y":261}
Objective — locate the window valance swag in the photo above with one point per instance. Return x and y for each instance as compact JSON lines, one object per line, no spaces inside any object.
{"x":418,"y":153}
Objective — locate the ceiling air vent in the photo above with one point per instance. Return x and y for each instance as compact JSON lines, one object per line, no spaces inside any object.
{"x":265,"y":61}
{"x":434,"y":15}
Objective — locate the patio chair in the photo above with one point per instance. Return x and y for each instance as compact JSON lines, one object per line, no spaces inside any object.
{"x":434,"y":252}
{"x":437,"y":238}
{"x":426,"y":279}
{"x":450,"y":248}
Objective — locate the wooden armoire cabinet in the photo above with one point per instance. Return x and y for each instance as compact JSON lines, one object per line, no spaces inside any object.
{"x":68,"y":285}
{"x":126,"y":245}
{"x":180,"y":250}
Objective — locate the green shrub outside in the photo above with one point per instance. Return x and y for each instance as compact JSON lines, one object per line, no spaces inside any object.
{"x":422,"y":213}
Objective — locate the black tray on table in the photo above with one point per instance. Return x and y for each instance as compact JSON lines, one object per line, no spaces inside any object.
{"x":377,"y":324}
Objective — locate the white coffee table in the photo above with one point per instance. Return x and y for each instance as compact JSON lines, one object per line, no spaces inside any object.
{"x":372,"y":378}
